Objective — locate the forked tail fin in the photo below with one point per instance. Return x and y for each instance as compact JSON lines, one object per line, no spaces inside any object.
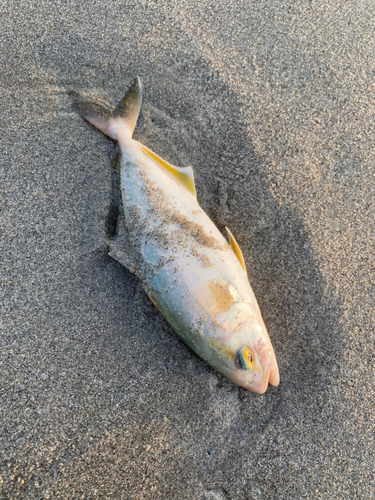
{"x":126,"y":112}
{"x":129,"y":107}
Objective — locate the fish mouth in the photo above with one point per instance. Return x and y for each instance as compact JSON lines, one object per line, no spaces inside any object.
{"x":274,"y":377}
{"x":270,"y":372}
{"x":261,"y":386}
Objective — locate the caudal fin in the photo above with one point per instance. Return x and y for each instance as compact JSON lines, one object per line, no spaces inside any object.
{"x":129,"y":107}
{"x":102,"y":118}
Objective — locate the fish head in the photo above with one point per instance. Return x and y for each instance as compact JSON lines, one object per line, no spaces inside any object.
{"x":254,"y":364}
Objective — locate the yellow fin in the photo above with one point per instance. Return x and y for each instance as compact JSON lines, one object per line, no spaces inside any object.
{"x":183,"y":175}
{"x":236,"y":249}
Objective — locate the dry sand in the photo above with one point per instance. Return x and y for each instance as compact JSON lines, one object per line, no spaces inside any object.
{"x":273,"y":104}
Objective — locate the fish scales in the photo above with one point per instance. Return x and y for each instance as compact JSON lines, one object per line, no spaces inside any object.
{"x":193,"y":276}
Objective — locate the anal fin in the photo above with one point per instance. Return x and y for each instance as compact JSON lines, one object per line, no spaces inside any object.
{"x":117,"y":238}
{"x":120,"y":247}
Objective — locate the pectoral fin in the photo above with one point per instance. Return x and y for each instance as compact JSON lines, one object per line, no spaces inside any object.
{"x":183,"y":175}
{"x":236,"y":249}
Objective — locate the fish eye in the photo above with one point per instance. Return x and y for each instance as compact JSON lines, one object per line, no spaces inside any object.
{"x":245,"y":358}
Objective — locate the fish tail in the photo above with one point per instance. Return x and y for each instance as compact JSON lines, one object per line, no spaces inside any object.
{"x":108,"y":121}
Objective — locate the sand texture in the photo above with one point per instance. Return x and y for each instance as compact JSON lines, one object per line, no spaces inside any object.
{"x":272,"y":103}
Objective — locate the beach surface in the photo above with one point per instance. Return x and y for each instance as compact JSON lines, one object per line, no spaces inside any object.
{"x":273,"y":104}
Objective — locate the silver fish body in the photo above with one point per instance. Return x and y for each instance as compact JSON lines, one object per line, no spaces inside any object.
{"x":192,"y":275}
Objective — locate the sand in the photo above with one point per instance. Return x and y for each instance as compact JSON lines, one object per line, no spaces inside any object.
{"x":272,"y":103}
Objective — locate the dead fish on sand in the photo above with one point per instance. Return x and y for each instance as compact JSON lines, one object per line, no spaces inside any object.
{"x":192,"y":275}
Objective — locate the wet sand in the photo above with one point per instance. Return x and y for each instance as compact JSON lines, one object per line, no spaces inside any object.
{"x":272,"y":103}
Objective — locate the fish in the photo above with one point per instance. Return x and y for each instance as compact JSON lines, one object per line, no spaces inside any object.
{"x":192,"y":274}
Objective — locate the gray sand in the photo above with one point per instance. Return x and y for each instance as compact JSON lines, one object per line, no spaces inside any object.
{"x":273,"y":104}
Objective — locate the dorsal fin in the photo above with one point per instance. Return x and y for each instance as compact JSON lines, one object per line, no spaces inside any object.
{"x":183,"y":175}
{"x":236,"y":249}
{"x":129,"y":107}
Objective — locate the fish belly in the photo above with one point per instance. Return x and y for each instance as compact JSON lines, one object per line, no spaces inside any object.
{"x":184,"y":263}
